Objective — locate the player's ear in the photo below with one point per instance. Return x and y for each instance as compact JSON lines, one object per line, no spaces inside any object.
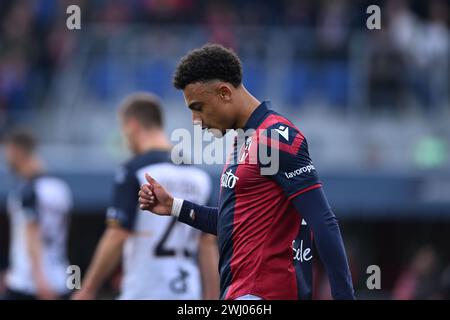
{"x":224,"y":91}
{"x":133,"y":123}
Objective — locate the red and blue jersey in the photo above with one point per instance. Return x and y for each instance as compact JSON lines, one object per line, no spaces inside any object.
{"x":269,"y":187}
{"x":261,"y":236}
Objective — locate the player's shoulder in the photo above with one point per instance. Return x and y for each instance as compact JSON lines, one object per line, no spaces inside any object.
{"x":146,"y":159}
{"x":127,"y":171}
{"x":280,"y":128}
{"x":276,"y":121}
{"x":47,"y":177}
{"x":52,"y":188}
{"x":48,"y":181}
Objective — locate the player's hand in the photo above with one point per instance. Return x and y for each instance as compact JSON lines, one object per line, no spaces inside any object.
{"x":153,"y":197}
{"x":44,"y":292}
{"x":83,"y":295}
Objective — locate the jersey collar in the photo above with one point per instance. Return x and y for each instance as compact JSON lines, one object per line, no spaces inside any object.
{"x":258,"y":115}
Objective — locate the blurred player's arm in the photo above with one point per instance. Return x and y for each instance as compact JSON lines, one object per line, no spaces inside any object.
{"x":106,"y":259}
{"x":155,"y":198}
{"x":120,"y":220}
{"x":208,"y":256}
{"x":34,"y":246}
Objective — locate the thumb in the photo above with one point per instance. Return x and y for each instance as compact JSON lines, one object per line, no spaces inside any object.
{"x":150,"y":180}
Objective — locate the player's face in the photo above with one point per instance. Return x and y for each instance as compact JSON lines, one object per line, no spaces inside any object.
{"x":13,"y":155}
{"x":211,"y":105}
{"x":129,"y":130}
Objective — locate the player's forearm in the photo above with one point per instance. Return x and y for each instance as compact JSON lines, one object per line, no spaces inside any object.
{"x":332,"y":252}
{"x":106,"y":259}
{"x":34,"y":245}
{"x":200,"y":217}
{"x":208,"y":261}
{"x":315,"y":209}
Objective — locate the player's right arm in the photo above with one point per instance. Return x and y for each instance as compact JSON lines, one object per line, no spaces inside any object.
{"x":155,"y":198}
{"x":120,"y":219}
{"x":106,"y":259}
{"x":34,"y":244}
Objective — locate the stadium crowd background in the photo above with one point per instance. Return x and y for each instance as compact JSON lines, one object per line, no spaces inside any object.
{"x":374,"y":105}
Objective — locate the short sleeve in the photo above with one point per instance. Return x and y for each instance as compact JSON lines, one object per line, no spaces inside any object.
{"x":123,"y":209}
{"x":287,"y":148}
{"x":29,"y":203}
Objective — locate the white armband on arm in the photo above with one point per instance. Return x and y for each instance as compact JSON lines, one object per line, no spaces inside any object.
{"x":176,"y":207}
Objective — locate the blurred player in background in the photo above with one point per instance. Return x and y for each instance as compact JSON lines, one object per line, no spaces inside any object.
{"x":38,"y":207}
{"x":159,"y":255}
{"x":259,"y":217}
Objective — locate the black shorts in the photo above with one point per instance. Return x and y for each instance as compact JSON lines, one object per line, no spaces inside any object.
{"x":18,"y":295}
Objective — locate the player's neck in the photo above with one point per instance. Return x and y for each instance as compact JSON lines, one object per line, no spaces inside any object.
{"x":153,"y":141}
{"x":248,"y":105}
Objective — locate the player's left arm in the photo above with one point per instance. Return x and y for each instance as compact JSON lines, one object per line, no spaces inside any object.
{"x":34,"y":245}
{"x":314,"y":208}
{"x":298,"y":177}
{"x":106,"y":258}
{"x":120,"y":219}
{"x":208,"y":250}
{"x":208,"y":258}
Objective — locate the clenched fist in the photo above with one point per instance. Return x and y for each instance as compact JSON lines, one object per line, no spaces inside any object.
{"x":153,"y":197}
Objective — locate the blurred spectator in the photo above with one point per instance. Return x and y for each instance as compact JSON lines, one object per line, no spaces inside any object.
{"x":167,"y":11}
{"x":386,"y":75}
{"x":424,"y":49}
{"x":13,"y":84}
{"x":402,"y":24}
{"x":333,"y":27}
{"x":444,"y":290}
{"x":436,"y":51}
{"x":220,"y":20}
{"x":299,"y":13}
{"x":409,"y":60}
{"x":16,"y":56}
{"x":420,"y":279}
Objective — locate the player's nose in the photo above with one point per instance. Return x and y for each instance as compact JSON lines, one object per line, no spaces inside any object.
{"x":196,"y":121}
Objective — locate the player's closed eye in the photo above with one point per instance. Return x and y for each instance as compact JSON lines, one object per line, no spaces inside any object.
{"x":196,"y":106}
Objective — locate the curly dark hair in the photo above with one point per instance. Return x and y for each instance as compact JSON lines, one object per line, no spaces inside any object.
{"x":210,"y":62}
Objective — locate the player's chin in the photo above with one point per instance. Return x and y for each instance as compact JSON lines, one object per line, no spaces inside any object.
{"x":217,"y":133}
